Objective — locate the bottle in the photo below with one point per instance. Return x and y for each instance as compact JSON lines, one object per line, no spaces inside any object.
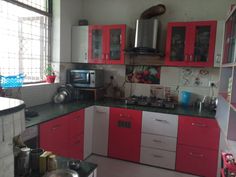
{"x":52,"y":162}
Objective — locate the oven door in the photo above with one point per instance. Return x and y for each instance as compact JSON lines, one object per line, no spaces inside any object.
{"x":80,"y":78}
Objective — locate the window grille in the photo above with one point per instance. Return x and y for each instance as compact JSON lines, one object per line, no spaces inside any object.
{"x":24,"y":38}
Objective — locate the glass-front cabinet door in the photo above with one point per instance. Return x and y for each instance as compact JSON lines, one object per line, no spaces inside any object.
{"x":201,"y":52}
{"x":96,"y":44}
{"x":177,"y":44}
{"x":230,"y":40}
{"x":116,"y":44}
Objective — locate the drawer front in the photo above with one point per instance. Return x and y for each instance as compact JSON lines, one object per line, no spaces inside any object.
{"x":158,"y":158}
{"x":158,"y":142}
{"x":198,"y":132}
{"x":162,"y":124}
{"x":199,"y":161}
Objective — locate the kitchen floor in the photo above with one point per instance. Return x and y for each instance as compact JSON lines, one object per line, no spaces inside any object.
{"x":117,"y":168}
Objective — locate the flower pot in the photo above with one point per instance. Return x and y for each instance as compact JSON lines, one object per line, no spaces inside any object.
{"x":50,"y":79}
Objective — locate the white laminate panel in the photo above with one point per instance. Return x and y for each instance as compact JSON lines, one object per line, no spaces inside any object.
{"x":17,"y":123}
{"x":100,"y":130}
{"x":158,"y":123}
{"x":6,"y":148}
{"x":158,"y":142}
{"x":158,"y":157}
{"x":8,"y":127}
{"x":88,"y":131}
{"x":7,"y":166}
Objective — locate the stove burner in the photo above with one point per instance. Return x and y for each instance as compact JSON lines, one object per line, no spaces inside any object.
{"x":151,"y":101}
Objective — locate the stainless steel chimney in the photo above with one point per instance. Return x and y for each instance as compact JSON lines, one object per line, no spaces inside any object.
{"x":146,"y":33}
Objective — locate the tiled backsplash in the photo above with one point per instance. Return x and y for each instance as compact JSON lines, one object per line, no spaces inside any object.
{"x":195,"y":80}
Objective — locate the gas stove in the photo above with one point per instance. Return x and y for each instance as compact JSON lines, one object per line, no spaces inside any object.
{"x":151,"y":101}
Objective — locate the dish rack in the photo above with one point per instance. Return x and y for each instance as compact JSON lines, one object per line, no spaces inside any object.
{"x":11,"y":81}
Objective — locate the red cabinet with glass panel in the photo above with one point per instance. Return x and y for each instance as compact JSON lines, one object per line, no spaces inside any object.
{"x":106,"y":44}
{"x":190,"y":43}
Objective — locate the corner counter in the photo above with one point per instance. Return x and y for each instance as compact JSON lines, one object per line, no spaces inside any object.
{"x":50,"y":110}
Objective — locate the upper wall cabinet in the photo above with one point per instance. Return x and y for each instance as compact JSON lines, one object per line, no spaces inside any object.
{"x":106,"y":44}
{"x":191,"y":43}
{"x":79,"y":47}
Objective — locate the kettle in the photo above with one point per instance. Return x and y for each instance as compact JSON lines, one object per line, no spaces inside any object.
{"x":22,"y":162}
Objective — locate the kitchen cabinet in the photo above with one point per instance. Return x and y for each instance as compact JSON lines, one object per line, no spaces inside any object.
{"x":159,"y":139}
{"x":54,"y":136}
{"x":88,"y":131}
{"x":101,"y":130}
{"x":64,"y":136}
{"x":107,"y":44}
{"x":79,"y":45}
{"x":191,"y":43}
{"x":125,"y":134}
{"x":197,"y":147}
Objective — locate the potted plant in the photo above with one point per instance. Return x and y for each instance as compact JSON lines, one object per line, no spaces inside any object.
{"x":50,"y":74}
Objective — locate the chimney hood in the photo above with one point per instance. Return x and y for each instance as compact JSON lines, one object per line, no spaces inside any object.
{"x":146,"y":34}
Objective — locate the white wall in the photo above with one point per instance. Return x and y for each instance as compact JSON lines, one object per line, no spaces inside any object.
{"x":127,"y":11}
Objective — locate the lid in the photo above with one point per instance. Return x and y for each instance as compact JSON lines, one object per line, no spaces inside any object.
{"x":62,"y":173}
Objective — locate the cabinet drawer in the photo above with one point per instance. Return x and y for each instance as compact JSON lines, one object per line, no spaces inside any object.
{"x":157,"y":157}
{"x":162,"y":124}
{"x":159,"y":142}
{"x":199,"y":161}
{"x":198,"y":132}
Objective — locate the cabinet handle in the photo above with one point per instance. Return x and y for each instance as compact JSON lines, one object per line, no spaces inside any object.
{"x":191,"y":57}
{"x":107,"y":56}
{"x":85,"y":55}
{"x":157,"y":156}
{"x":186,"y":57}
{"x":157,"y":141}
{"x":196,"y":155}
{"x":199,"y":125}
{"x":121,"y":115}
{"x":77,"y":118}
{"x":55,"y":127}
{"x":159,"y":120}
{"x":218,"y":58}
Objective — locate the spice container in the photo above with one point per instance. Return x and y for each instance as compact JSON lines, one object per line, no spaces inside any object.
{"x":52,"y":163}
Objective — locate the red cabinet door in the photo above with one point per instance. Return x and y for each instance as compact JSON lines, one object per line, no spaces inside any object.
{"x":54,"y":136}
{"x":191,"y":43}
{"x":199,"y":161}
{"x":125,"y":134}
{"x":115,"y":39}
{"x":203,"y":36}
{"x":97,"y":45}
{"x":76,"y":134}
{"x":177,"y":44}
{"x":198,"y":132}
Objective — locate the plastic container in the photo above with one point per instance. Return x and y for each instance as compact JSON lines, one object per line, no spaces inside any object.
{"x":185,"y":98}
{"x":11,"y":81}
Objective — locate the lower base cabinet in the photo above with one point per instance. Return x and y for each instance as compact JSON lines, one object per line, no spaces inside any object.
{"x":198,"y":161}
{"x":157,"y":157}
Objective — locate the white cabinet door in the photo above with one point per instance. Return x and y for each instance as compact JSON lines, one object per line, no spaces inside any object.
{"x":79,"y":46}
{"x":219,"y":43}
{"x":100,"y":130}
{"x":88,"y":131}
{"x":160,"y":124}
{"x":157,"y":157}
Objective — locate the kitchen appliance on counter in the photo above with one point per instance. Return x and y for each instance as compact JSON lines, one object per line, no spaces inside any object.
{"x":152,"y":101}
{"x":86,"y":78}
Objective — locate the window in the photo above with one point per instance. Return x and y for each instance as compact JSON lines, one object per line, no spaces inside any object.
{"x":25,"y":38}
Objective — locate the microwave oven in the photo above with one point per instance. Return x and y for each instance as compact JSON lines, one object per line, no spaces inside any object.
{"x":86,"y":78}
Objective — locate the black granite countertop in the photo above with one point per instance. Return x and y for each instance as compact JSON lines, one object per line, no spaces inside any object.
{"x":50,"y":110}
{"x":85,"y":169}
{"x":10,"y":105}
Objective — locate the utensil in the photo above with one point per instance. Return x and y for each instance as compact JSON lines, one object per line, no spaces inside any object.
{"x":62,"y":173}
{"x":74,"y":164}
{"x":22,"y":162}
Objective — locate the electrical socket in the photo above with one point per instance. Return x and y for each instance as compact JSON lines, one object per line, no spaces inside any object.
{"x":212,"y":84}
